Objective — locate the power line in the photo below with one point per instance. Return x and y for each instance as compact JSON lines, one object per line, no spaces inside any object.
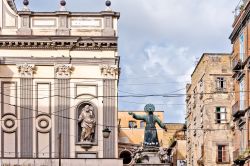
{"x":170,"y":95}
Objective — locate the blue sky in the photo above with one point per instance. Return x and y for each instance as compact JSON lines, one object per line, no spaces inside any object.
{"x":159,"y":44}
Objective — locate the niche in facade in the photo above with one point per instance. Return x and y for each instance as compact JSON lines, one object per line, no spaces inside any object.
{"x":86,"y":126}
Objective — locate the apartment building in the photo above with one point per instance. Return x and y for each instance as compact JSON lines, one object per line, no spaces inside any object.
{"x":208,"y":102}
{"x":240,"y":67}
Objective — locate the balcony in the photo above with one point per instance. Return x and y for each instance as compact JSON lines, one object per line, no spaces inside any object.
{"x":238,"y":158}
{"x":236,"y":112}
{"x":239,"y":9}
{"x":237,"y":64}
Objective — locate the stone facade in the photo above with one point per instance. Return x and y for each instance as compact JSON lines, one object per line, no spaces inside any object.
{"x":240,"y":65}
{"x":208,"y":101}
{"x":177,"y":147}
{"x":49,"y":71}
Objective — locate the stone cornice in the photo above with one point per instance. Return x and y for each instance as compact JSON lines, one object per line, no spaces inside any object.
{"x":72,"y":14}
{"x":58,"y":42}
{"x":58,"y":60}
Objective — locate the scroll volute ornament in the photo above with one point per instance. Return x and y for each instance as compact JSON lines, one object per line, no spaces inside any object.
{"x":26,"y":70}
{"x":63,"y":70}
{"x":109,"y":70}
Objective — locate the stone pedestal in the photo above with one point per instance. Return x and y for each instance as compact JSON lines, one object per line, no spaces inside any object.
{"x":165,"y":164}
{"x":153,"y":159}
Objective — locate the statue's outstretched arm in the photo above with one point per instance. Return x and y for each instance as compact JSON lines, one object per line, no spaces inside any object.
{"x":137,"y":117}
{"x":162,"y":125}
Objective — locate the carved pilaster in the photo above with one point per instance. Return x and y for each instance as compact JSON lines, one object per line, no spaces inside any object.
{"x":109,"y":70}
{"x":26,"y":70}
{"x":63,"y":70}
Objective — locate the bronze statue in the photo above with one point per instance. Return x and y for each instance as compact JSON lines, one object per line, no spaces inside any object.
{"x":87,"y":119}
{"x":150,"y":133}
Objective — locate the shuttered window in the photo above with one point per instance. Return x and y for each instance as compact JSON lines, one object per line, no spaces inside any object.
{"x":222,"y":154}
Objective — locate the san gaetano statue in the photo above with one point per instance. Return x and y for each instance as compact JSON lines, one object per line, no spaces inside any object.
{"x":87,"y":120}
{"x":150,"y":133}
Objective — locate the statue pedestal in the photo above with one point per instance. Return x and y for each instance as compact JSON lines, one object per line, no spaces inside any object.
{"x":152,"y":159}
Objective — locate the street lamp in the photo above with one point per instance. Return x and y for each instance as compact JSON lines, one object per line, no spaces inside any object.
{"x":106,"y":132}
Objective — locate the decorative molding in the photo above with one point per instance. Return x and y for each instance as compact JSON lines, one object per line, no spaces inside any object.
{"x":83,"y":23}
{"x":63,"y":70}
{"x":44,"y":22}
{"x":84,"y":45}
{"x":57,"y":60}
{"x":109,"y":70}
{"x":9,"y":123}
{"x":80,"y":90}
{"x":11,"y":86}
{"x":86,"y":154}
{"x":59,"y":42}
{"x":43,"y":123}
{"x":26,"y":70}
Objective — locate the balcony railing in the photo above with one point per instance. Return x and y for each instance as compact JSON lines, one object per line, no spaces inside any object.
{"x":244,"y":2}
{"x":237,"y":64}
{"x":239,"y":8}
{"x":239,"y":157}
{"x":236,"y":110}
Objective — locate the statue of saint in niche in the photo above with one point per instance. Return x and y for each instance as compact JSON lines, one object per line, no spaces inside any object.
{"x":87,"y":120}
{"x":150,"y":133}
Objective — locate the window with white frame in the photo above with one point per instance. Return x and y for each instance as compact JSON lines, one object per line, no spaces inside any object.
{"x":220,"y":115}
{"x":242,"y":47}
{"x":242,"y":95}
{"x":220,"y":84}
{"x":222,"y":154}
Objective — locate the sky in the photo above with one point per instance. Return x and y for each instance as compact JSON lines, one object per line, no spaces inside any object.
{"x":160,"y":41}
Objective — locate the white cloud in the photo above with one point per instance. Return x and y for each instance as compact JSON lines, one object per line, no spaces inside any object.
{"x":168,"y":59}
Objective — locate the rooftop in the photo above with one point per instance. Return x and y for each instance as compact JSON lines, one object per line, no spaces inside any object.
{"x":56,"y":23}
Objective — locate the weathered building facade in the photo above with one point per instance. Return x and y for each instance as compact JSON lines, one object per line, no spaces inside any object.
{"x":209,"y":138}
{"x":240,"y":65}
{"x":59,"y":73}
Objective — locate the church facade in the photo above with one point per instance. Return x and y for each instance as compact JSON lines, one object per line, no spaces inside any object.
{"x":58,"y":75}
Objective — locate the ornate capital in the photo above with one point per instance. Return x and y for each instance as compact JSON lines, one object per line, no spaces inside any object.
{"x":109,"y":70}
{"x":26,"y":70}
{"x":63,"y":70}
